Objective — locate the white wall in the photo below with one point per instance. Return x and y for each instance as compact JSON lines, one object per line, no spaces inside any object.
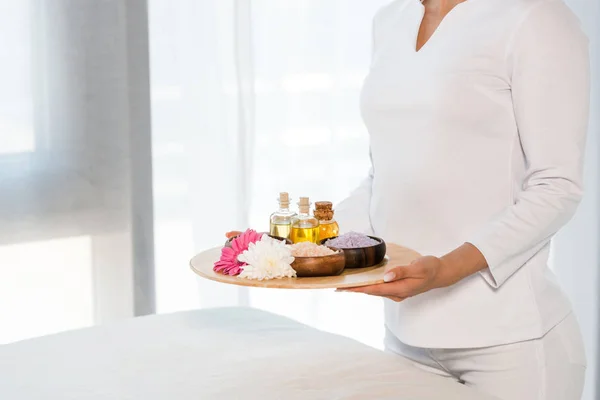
{"x":576,"y":255}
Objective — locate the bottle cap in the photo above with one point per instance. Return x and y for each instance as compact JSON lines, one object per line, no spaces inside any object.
{"x":284,"y":199}
{"x":304,"y":205}
{"x":323,"y":205}
{"x":323,"y":210}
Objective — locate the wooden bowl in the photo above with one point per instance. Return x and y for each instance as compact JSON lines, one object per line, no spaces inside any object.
{"x":287,"y":241}
{"x":363,"y":257}
{"x":320,"y":266}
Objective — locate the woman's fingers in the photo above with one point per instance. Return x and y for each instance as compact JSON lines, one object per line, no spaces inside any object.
{"x":383,"y":289}
{"x":396,"y":273}
{"x":378,"y":290}
{"x":413,"y":270}
{"x":387,"y":296}
{"x":404,"y":281}
{"x":374,"y":292}
{"x":394,"y":298}
{"x":403,"y":288}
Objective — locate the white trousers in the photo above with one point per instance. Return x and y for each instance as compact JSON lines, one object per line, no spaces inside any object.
{"x":549,"y":368}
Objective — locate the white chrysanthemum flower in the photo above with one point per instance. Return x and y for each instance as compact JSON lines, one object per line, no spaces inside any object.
{"x":267,"y":259}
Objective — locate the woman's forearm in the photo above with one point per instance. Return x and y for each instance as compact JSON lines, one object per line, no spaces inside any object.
{"x":460,"y":263}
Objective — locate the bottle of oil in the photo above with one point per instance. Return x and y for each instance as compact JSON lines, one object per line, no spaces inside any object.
{"x":328,"y":227}
{"x":281,"y":220}
{"x":305,"y":228}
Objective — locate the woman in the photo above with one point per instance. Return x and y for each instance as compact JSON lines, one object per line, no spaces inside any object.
{"x":477,"y":113}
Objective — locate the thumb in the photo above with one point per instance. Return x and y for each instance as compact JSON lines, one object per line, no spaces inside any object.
{"x":395,"y":274}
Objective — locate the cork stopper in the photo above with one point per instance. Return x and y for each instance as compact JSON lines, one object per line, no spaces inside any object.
{"x":304,"y":205}
{"x":284,"y":200}
{"x":323,"y":210}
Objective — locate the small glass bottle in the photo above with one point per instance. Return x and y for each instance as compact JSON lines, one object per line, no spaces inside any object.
{"x":305,"y":228}
{"x":281,"y":220}
{"x":328,"y":227}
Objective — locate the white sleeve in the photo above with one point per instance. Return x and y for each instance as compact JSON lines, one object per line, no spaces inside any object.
{"x":549,"y":66}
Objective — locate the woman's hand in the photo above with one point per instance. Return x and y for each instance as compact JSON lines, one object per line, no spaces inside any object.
{"x":420,"y":276}
{"x":427,"y":273}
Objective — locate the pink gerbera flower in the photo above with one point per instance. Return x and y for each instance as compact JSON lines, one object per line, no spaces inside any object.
{"x":229,"y":264}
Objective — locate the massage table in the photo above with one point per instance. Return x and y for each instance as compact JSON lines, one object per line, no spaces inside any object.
{"x":224,"y":353}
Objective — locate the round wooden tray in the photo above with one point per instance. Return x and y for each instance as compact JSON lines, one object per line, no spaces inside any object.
{"x":202,"y":264}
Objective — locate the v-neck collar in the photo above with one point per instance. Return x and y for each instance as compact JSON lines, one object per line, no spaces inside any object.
{"x":443,"y":22}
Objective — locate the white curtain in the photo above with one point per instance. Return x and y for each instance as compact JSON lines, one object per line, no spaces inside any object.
{"x":250,"y":98}
{"x":75,"y":170}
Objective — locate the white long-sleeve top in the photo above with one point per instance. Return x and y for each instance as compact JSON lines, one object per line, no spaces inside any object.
{"x":478,"y":137}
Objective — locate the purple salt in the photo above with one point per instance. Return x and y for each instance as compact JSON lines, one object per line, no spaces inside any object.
{"x":351,"y":240}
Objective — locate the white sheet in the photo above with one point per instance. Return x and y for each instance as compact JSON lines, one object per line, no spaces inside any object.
{"x":233,"y":353}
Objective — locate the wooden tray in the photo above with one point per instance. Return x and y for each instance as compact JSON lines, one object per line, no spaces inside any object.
{"x":396,"y":255}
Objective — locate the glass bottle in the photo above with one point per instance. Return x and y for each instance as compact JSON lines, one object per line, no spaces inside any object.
{"x":281,"y":220}
{"x":305,"y":228}
{"x":328,"y":227}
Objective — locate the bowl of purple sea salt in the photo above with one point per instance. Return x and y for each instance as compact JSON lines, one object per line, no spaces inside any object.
{"x":360,"y":251}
